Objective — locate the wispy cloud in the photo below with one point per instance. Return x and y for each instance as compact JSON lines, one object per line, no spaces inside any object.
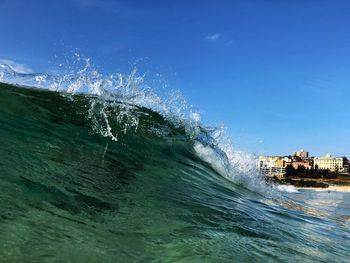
{"x":18,"y":67}
{"x":213,"y":37}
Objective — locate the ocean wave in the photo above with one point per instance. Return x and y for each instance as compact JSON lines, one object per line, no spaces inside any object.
{"x":101,"y":168}
{"x":113,"y":99}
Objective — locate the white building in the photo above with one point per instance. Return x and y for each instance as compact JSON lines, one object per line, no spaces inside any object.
{"x":329,"y":163}
{"x":270,"y":166}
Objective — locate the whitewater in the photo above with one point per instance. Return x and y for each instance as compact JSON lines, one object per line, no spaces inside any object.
{"x":97,"y":168}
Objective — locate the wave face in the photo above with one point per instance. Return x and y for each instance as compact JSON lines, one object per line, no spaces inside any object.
{"x":122,"y":176}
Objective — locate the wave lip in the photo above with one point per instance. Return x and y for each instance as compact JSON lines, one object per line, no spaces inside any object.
{"x":96,"y":172}
{"x":129,"y":91}
{"x":125,"y":92}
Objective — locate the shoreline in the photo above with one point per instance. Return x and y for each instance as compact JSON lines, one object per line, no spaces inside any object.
{"x":341,"y":184}
{"x":331,"y":188}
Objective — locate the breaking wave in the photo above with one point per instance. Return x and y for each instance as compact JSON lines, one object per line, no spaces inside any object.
{"x":102,"y":169}
{"x":116,"y":97}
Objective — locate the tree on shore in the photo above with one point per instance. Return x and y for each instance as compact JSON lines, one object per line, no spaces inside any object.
{"x":290,"y":171}
{"x":302,"y":172}
{"x":301,"y":168}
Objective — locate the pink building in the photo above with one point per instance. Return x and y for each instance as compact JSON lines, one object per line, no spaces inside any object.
{"x":305,"y":163}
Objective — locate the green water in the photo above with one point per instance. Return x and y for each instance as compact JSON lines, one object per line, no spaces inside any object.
{"x":70,"y":194}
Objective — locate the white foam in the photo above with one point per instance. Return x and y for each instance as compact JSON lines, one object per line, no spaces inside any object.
{"x":130,"y":90}
{"x":287,"y":188}
{"x":236,"y":166}
{"x":126,"y":90}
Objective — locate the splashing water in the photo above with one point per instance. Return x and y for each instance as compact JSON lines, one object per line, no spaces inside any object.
{"x":102,"y":169}
{"x":126,"y":92}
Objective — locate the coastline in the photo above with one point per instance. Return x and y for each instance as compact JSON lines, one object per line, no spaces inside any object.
{"x":331,"y":188}
{"x":340,"y":184}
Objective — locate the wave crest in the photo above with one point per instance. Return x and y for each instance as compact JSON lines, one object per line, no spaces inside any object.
{"x":114,"y":99}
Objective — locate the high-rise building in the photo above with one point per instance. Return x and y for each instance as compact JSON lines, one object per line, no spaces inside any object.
{"x":302,"y":154}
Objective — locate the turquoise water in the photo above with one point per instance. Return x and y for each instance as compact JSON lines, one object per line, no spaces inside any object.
{"x":85,"y":178}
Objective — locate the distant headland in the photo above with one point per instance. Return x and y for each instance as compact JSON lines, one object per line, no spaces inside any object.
{"x":305,"y":171}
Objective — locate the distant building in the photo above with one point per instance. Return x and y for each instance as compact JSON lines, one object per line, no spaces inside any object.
{"x":302,"y":154}
{"x":307,"y":164}
{"x":274,"y":161}
{"x":346,"y":168}
{"x":273,"y":165}
{"x":283,"y":161}
{"x":276,"y":165}
{"x":329,"y":163}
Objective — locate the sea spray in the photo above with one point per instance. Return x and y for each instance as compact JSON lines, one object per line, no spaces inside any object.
{"x":114,"y":99}
{"x":166,"y":190}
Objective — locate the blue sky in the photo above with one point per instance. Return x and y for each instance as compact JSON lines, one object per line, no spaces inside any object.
{"x":275,"y":73}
